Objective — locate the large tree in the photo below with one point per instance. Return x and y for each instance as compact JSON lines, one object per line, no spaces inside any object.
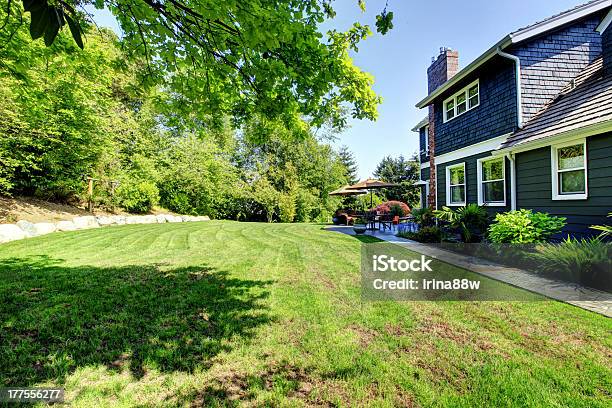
{"x":350,"y":163}
{"x":403,"y":172}
{"x":235,"y":57}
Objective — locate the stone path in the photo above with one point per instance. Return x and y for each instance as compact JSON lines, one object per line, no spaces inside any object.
{"x":574,"y":294}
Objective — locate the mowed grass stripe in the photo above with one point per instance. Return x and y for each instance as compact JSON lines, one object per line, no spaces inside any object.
{"x":224,"y":313}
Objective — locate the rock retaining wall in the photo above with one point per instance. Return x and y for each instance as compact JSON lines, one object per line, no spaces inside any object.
{"x":26,"y":229}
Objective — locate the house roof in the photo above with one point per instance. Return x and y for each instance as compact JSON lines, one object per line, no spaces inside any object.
{"x":423,"y":122}
{"x":517,"y":36}
{"x":585,"y":102}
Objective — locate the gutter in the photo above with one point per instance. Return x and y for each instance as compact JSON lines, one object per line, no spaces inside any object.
{"x":519,"y":103}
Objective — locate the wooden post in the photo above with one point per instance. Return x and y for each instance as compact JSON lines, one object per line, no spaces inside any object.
{"x":113,"y":186}
{"x":90,"y":194}
{"x":90,"y":184}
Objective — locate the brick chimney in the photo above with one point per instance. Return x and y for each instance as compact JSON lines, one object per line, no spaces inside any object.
{"x":606,"y":40}
{"x":442,"y":68}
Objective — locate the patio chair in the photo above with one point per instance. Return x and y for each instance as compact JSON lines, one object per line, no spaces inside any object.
{"x":385,"y":221}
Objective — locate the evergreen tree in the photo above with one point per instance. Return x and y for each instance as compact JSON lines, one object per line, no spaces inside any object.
{"x":350,"y":164}
{"x":403,"y":172}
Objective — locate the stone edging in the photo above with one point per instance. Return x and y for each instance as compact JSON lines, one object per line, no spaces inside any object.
{"x":26,"y":229}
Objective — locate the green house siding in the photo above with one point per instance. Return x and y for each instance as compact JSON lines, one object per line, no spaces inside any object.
{"x":471,"y":180}
{"x":425,"y":174}
{"x":534,"y":186}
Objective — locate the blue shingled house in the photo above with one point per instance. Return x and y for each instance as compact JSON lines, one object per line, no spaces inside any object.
{"x":527,"y":124}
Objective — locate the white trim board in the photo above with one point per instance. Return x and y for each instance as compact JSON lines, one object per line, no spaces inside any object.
{"x":604,"y":23}
{"x":476,"y":148}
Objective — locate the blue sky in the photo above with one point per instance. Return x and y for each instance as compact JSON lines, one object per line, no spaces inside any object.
{"x":399,"y":60}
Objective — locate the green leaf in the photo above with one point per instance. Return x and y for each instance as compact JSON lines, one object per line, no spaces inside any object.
{"x":39,"y":21}
{"x":75,"y":30}
{"x":53,"y":26}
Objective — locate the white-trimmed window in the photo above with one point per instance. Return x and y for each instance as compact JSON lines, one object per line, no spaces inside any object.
{"x":426,"y":148}
{"x":455,"y":185}
{"x":466,"y":99}
{"x":569,"y":171}
{"x":492,"y":182}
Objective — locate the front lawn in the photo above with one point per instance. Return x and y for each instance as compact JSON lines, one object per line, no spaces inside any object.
{"x":224,"y":313}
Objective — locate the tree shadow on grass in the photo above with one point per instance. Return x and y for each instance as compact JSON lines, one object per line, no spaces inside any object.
{"x":57,"y":318}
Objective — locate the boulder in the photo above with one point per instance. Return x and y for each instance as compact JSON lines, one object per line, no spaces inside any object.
{"x":104,"y":221}
{"x":119,"y":219}
{"x":202,"y":218}
{"x":173,"y":218}
{"x":34,"y":230}
{"x":11,"y":232}
{"x":149,"y":219}
{"x":161,"y":218}
{"x":185,"y":218}
{"x":43,"y":228}
{"x":133,"y":219}
{"x":88,"y":221}
{"x":27,"y":227}
{"x":65,"y":226}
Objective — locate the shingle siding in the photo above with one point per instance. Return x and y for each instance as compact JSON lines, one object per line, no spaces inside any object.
{"x":495,"y":116}
{"x":534,"y":186}
{"x":471,"y":178}
{"x":607,"y":50}
{"x":550,"y":62}
{"x":423,"y":153}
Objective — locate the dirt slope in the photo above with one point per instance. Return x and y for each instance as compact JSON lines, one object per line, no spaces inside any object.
{"x":34,"y":210}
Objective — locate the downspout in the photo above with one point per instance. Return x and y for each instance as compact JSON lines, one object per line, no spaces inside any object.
{"x":510,"y":157}
{"x":519,"y":117}
{"x":517,"y":65}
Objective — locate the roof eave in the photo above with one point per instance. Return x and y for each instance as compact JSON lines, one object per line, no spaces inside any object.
{"x":590,"y":130}
{"x":423,"y":122}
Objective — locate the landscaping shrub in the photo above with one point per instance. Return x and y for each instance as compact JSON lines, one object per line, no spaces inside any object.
{"x":585,"y":261}
{"x":606,"y":230}
{"x":393,"y":208}
{"x":423,"y":216}
{"x":524,"y":227}
{"x":430,"y":234}
{"x":286,"y":207}
{"x":471,"y":221}
{"x":138,"y":196}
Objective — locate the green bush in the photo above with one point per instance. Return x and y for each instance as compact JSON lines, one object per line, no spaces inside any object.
{"x":425,"y":234}
{"x":286,"y":207}
{"x":606,"y":230}
{"x":586,"y":261}
{"x":423,"y":216}
{"x":524,"y":227}
{"x":138,"y":196}
{"x":471,"y":221}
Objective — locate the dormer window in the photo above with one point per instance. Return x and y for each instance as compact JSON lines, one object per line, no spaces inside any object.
{"x":466,"y":99}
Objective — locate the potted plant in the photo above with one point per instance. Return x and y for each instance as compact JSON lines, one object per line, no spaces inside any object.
{"x":359,"y":226}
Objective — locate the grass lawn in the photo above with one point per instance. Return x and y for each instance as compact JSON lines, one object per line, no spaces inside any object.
{"x":223,"y":313}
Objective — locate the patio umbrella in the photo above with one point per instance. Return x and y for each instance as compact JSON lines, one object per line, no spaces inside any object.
{"x":371,"y":185}
{"x":343,"y":191}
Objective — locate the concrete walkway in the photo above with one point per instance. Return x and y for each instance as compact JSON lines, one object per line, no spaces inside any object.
{"x":574,"y":294}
